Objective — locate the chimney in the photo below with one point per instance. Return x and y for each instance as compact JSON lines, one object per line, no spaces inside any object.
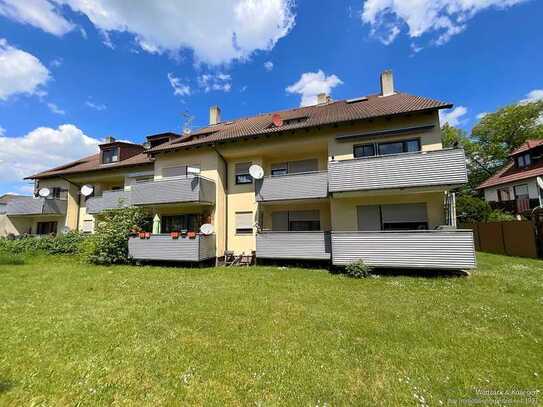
{"x":322,"y":98}
{"x":109,"y":139}
{"x":214,"y":115}
{"x":387,"y":83}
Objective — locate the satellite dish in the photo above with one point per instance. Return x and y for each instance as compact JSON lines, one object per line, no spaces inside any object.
{"x":207,"y":229}
{"x":87,"y":190}
{"x":256,"y":171}
{"x":276,"y":119}
{"x":44,"y":192}
{"x":193,"y":170}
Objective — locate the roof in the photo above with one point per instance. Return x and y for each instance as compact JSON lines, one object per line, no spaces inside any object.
{"x":92,"y":163}
{"x":7,"y":197}
{"x":370,"y":107}
{"x":510,"y":173}
{"x":528,"y":145}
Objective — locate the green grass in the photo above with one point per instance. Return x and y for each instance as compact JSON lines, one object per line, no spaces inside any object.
{"x":77,"y":334}
{"x":10,"y":259}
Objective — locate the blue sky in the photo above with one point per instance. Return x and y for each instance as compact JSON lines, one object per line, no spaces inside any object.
{"x":74,"y":72}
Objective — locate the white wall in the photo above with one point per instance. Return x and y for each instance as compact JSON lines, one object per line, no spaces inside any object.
{"x":491,"y":194}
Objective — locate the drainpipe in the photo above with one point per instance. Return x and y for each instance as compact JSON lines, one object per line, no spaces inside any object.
{"x":226,"y":194}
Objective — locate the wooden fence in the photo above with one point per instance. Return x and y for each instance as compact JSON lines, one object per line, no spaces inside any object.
{"x":512,"y":238}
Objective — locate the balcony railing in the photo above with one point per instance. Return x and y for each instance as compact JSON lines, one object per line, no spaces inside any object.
{"x":108,"y":200}
{"x":306,"y":185}
{"x":165,"y":248}
{"x":408,"y":170}
{"x":26,"y":205}
{"x":293,"y":245}
{"x":519,"y":205}
{"x":175,"y":190}
{"x":438,"y":249}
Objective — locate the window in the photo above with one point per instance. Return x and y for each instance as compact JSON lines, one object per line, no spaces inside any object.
{"x":524,"y":160}
{"x":364,"y":150}
{"x":392,"y":217}
{"x":116,"y":188}
{"x":279,"y":169}
{"x":46,"y":228}
{"x":180,"y":223}
{"x":244,"y":223}
{"x":144,"y":178}
{"x":87,"y":226}
{"x":55,"y":192}
{"x":294,"y":167}
{"x":521,"y":191}
{"x":242,"y":174}
{"x":179,"y":171}
{"x":110,"y":155}
{"x":397,"y":147}
{"x":296,"y":221}
{"x":504,"y":194}
{"x":394,"y":147}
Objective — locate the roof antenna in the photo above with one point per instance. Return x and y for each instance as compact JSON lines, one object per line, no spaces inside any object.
{"x":187,"y":124}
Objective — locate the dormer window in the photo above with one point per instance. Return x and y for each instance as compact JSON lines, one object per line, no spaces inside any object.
{"x":524,"y":160}
{"x":110,"y":155}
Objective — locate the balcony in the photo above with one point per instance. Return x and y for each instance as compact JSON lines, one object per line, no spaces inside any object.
{"x":30,"y":206}
{"x":308,"y":185}
{"x":293,"y":245}
{"x":408,"y":170}
{"x":108,"y":200}
{"x":519,"y":205}
{"x":431,"y":249}
{"x":176,"y":190}
{"x":164,"y":248}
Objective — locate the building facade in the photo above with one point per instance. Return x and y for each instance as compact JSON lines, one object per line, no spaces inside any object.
{"x":516,"y":188}
{"x":339,"y":181}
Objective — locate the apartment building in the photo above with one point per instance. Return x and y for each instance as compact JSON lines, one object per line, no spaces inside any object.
{"x":365,"y":178}
{"x":516,"y":187}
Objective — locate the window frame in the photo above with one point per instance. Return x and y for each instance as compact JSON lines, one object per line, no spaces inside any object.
{"x":518,"y":196}
{"x":243,"y":231}
{"x":524,"y":160}
{"x":239,"y":175}
{"x":115,"y":151}
{"x":504,"y":191}
{"x":377,"y":147}
{"x":372,"y":145}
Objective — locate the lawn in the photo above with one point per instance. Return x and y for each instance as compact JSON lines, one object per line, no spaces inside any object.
{"x":78,"y":334}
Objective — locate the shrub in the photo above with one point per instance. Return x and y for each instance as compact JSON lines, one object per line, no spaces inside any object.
{"x":69,"y":243}
{"x":358,"y":269}
{"x":109,"y":243}
{"x":498,"y":215}
{"x":471,"y":209}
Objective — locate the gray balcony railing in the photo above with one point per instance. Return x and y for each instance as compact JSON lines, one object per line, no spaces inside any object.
{"x":108,"y":200}
{"x":27,"y":205}
{"x":182,"y":189}
{"x":165,"y":248}
{"x":422,"y":169}
{"x":439,"y":249}
{"x":305,"y":185}
{"x":293,"y":245}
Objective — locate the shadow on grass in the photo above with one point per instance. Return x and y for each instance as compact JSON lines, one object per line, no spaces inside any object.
{"x":5,"y":385}
{"x":11,"y":260}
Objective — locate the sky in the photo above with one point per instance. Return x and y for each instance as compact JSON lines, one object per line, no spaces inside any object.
{"x":73,"y":72}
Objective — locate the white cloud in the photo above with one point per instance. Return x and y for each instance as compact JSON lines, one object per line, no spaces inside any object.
{"x":453,"y":117}
{"x":55,"y":109}
{"x":95,"y":106}
{"x":311,"y":84}
{"x":268,"y":66}
{"x":39,"y":13}
{"x":481,"y":115}
{"x":215,"y":82}
{"x":179,"y":88}
{"x":534,"y":96}
{"x":442,"y":18}
{"x":20,"y":72}
{"x":55,"y":63}
{"x":2,"y":131}
{"x":217,"y":31}
{"x":41,"y":149}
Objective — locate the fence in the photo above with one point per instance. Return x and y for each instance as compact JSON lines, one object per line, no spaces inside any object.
{"x":512,"y":238}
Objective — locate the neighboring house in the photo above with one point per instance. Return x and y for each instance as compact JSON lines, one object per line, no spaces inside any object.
{"x":515,"y":187}
{"x":365,"y":178}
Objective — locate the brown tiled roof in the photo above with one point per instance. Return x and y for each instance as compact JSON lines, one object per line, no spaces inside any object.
{"x":510,"y":173}
{"x":528,"y":145}
{"x":334,"y":112}
{"x":92,"y":163}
